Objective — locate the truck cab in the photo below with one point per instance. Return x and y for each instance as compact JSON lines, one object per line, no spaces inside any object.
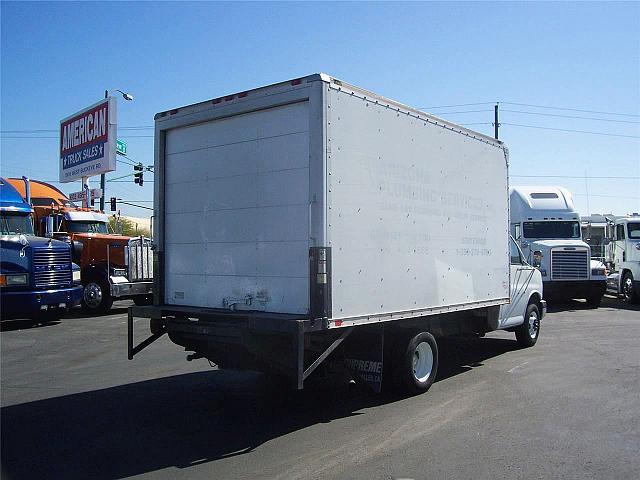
{"x":526,"y":307}
{"x":113,"y":267}
{"x":624,"y":257}
{"x":547,"y":228}
{"x":37,"y":279}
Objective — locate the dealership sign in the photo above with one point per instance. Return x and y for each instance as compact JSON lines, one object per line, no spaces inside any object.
{"x":88,"y":141}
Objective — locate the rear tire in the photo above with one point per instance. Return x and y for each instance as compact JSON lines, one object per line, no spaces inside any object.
{"x":418,"y":364}
{"x":527,"y":333}
{"x":96,"y":296}
{"x":631,"y":295}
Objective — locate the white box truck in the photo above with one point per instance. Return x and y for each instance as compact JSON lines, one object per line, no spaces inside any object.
{"x":312,"y":220}
{"x":547,"y":226}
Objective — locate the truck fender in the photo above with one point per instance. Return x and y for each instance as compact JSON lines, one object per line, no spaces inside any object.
{"x":76,"y":251}
{"x":94,"y":271}
{"x":535,"y":298}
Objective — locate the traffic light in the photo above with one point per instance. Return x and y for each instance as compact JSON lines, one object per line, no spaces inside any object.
{"x":114,"y":206}
{"x":138,"y":176}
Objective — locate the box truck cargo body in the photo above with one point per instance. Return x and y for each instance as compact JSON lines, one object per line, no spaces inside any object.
{"x":314,"y":206}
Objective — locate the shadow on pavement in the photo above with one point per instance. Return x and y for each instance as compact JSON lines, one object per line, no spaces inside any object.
{"x":183,"y":420}
{"x":24,"y":324}
{"x":608,"y":301}
{"x":80,"y":313}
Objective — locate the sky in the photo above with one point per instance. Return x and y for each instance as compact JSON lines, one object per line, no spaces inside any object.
{"x":553,"y":67}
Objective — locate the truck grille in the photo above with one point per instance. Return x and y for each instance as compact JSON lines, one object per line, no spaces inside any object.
{"x":52,"y":267}
{"x":569,"y":264}
{"x":140,"y":259}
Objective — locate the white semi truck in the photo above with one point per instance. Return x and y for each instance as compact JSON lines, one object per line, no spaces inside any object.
{"x":546,"y":225}
{"x":312,"y":223}
{"x":623,"y":257}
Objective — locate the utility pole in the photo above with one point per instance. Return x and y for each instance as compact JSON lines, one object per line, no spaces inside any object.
{"x":496,"y":124}
{"x":102,"y":176}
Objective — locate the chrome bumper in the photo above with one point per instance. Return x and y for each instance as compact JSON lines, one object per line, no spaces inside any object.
{"x":121,"y":288}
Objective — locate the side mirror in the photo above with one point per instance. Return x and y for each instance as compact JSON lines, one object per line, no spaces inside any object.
{"x":49,"y":227}
{"x":537,"y":258}
{"x":606,"y":241}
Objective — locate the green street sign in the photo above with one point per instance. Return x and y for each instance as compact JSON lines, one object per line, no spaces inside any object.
{"x":121,"y":147}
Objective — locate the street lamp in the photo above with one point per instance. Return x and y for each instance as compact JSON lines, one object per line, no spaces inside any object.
{"x":128,"y":97}
{"x":125,"y":95}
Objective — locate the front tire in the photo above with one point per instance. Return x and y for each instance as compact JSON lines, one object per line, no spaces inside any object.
{"x":96,"y":296}
{"x":418,"y":364}
{"x":527,"y":333}
{"x":631,"y":295}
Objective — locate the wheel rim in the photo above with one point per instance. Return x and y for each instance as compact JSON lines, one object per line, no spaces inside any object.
{"x":422,"y":362}
{"x":92,"y":295}
{"x":628,"y":288}
{"x":534,"y":325}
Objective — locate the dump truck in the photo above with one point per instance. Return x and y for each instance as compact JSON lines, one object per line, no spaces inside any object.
{"x":312,"y":224}
{"x":37,"y":277}
{"x":113,"y":267}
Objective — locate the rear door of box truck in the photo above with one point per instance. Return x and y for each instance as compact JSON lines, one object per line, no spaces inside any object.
{"x":236,"y":203}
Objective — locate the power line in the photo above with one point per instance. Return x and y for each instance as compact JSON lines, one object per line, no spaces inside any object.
{"x":56,"y":137}
{"x":570,"y":109}
{"x":550,"y":107}
{"x":126,"y":163}
{"x":569,"y":116}
{"x":605,"y":196}
{"x":466,"y":111}
{"x":572,"y":131}
{"x":581,"y":177}
{"x":125,"y":181}
{"x":133,"y":205}
{"x":458,"y":105}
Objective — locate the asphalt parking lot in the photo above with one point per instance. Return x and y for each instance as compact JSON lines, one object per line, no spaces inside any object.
{"x":73,"y":406}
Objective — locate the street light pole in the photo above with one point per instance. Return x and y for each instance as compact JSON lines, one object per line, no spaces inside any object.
{"x":103,"y":182}
{"x":103,"y":176}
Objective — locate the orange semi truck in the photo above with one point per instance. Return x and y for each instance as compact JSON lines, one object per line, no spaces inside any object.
{"x":113,"y":267}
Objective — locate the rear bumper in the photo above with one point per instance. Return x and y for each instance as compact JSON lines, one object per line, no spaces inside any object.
{"x":19,"y":304}
{"x":128,"y":289}
{"x":244,"y":340}
{"x":574,"y":289}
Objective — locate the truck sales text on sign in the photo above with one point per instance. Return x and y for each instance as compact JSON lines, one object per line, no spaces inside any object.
{"x":87,"y":141}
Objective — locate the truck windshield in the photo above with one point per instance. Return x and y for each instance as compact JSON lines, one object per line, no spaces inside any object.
{"x":15,"y":224}
{"x":551,"y":229}
{"x":87,"y":227}
{"x":633,"y":230}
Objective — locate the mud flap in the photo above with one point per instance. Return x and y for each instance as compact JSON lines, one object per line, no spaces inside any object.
{"x":363,"y":351}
